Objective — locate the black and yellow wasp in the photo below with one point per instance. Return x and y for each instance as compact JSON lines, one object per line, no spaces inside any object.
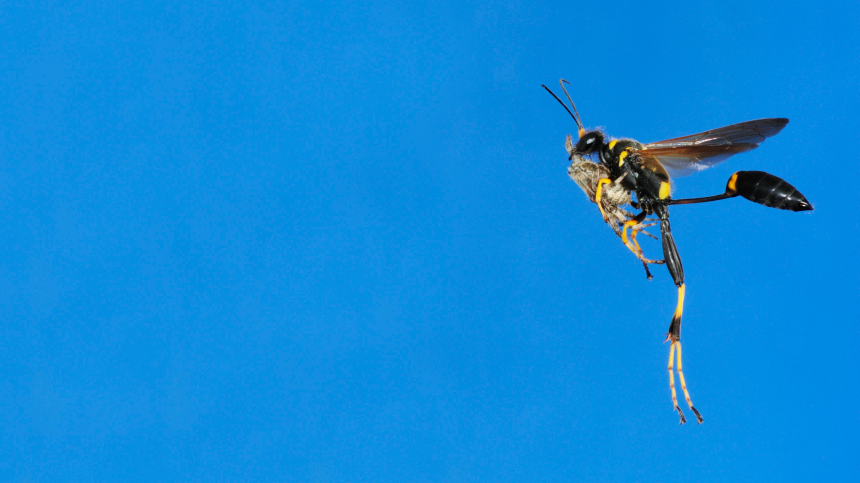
{"x":624,"y":167}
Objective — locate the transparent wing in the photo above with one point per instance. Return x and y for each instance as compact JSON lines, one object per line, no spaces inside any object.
{"x":689,"y":154}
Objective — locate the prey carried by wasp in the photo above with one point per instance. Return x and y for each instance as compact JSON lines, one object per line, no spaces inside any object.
{"x":624,"y":168}
{"x":614,"y":197}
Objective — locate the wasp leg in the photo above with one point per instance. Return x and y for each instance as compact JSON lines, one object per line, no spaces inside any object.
{"x":675,"y":337}
{"x":620,"y":216}
{"x":635,"y":230}
{"x":636,"y":224}
{"x":672,"y":382}
{"x":673,"y":263}
{"x":598,"y":194}
{"x":699,"y":419}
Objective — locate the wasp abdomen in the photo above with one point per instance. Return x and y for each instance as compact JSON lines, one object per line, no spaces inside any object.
{"x":768,"y":190}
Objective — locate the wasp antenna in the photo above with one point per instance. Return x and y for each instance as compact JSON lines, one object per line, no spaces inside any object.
{"x":578,"y":124}
{"x":578,"y":119}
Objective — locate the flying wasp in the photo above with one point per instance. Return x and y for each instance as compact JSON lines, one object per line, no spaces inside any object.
{"x":624,"y":167}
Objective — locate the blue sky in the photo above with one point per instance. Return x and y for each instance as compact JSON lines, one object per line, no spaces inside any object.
{"x":332,"y":241}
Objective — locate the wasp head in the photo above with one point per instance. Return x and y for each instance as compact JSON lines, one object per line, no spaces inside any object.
{"x":589,"y":142}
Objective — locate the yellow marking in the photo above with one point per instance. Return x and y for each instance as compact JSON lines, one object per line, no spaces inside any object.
{"x":730,"y":187}
{"x":612,"y":144}
{"x":581,"y":132}
{"x":621,"y":158}
{"x":679,"y":309}
{"x":598,"y":195}
{"x":665,"y":190}
{"x":672,"y":382}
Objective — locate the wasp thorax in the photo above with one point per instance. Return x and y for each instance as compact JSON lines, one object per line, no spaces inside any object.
{"x":589,"y":142}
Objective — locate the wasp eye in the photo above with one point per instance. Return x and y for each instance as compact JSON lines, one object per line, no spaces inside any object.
{"x":589,"y":142}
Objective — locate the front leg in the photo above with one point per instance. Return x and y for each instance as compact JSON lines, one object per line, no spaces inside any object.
{"x":598,"y":196}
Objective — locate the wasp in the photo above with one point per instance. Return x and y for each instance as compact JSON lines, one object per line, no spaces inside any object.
{"x":624,"y":168}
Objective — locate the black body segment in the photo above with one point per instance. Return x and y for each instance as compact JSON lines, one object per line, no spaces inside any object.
{"x":760,"y":187}
{"x":670,"y":250}
{"x":670,"y":253}
{"x":768,"y":190}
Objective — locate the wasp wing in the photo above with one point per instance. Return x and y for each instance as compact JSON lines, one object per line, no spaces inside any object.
{"x":693,"y":153}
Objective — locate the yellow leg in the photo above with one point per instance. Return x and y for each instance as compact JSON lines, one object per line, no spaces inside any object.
{"x":699,"y":418}
{"x":675,"y":336}
{"x":598,"y":194}
{"x":634,"y":246}
{"x":633,"y":234}
{"x":635,"y":249}
{"x":672,"y":382}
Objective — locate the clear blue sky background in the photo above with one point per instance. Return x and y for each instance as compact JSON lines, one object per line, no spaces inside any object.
{"x":337,"y":242}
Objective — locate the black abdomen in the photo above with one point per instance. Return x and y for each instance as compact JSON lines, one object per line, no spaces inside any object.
{"x":768,"y":190}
